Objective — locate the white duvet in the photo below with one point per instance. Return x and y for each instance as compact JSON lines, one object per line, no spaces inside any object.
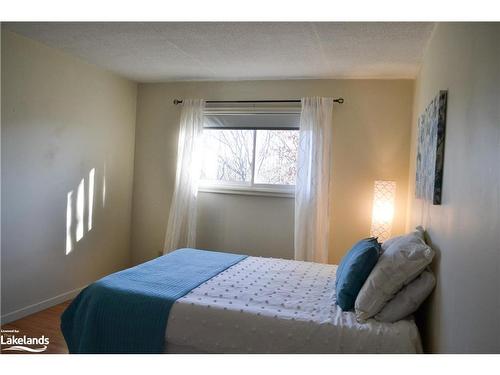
{"x":266,"y":305}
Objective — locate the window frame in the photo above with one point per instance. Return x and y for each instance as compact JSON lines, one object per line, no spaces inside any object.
{"x":251,"y":187}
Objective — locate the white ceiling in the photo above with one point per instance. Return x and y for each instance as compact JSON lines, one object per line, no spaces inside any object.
{"x":154,"y":52}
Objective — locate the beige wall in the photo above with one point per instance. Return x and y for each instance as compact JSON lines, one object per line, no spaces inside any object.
{"x":61,"y":118}
{"x":371,"y":141}
{"x":253,"y":225}
{"x":462,"y":314}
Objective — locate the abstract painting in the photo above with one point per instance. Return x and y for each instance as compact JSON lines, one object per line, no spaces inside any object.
{"x":430,"y":150}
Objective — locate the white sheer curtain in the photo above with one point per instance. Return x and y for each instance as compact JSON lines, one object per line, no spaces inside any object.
{"x":313,"y":180}
{"x":181,"y":227}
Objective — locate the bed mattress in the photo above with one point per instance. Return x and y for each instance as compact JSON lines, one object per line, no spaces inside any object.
{"x":266,"y":305}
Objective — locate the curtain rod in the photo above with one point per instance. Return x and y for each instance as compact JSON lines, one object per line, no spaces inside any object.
{"x":336,"y":100}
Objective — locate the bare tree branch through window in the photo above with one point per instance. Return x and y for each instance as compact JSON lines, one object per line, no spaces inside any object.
{"x":229,"y":156}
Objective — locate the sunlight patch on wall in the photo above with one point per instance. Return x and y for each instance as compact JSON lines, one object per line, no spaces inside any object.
{"x":104,"y":187}
{"x":69,"y":219}
{"x":80,"y":209}
{"x":80,"y":206}
{"x":91,"y":198}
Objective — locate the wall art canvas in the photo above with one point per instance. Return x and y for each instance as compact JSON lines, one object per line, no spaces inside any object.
{"x":430,"y":150}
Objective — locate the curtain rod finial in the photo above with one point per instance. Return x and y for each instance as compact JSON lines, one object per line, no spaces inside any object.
{"x":177,"y":101}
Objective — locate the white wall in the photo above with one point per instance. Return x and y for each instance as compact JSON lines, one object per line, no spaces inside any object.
{"x":60,"y":119}
{"x":462,"y":314}
{"x":371,"y":141}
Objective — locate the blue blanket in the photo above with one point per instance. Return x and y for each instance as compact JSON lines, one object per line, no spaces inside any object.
{"x":127,"y":312}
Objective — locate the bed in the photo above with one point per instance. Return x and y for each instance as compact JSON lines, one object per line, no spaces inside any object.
{"x":266,"y":305}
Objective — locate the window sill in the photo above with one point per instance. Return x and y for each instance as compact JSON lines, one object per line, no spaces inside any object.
{"x":241,"y":190}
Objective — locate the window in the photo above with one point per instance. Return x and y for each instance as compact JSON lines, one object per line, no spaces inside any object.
{"x":228,"y":156}
{"x":276,"y":157}
{"x":262,"y":161}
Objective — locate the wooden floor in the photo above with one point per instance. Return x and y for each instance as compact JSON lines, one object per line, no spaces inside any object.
{"x":46,"y":323}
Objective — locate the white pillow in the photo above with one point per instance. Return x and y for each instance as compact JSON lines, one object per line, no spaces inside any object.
{"x":403,"y":260}
{"x":408,"y":299}
{"x":389,"y":242}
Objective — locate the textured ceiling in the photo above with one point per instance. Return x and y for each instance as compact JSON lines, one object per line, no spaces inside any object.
{"x":153,"y":52}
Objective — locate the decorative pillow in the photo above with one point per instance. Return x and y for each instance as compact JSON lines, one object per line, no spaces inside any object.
{"x":353,"y":271}
{"x":385,"y":245}
{"x":408,"y":299}
{"x":399,"y":264}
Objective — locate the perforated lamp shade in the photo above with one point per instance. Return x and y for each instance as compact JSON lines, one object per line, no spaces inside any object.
{"x":384,"y":193}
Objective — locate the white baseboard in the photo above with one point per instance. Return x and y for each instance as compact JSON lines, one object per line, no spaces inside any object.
{"x":39,"y":306}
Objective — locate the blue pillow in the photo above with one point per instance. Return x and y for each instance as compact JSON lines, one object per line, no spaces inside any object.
{"x":353,"y":271}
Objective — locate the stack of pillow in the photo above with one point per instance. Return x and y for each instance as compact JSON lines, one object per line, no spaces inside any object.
{"x":387,"y":282}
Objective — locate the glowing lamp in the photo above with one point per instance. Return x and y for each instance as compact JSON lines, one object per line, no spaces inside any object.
{"x":384,"y":193}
